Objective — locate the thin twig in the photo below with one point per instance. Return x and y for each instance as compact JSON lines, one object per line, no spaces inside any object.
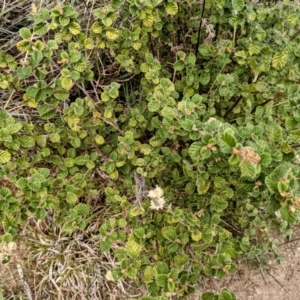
{"x":277,"y":281}
{"x":212,"y":86}
{"x":295,"y":34}
{"x":289,"y":242}
{"x":267,"y":101}
{"x":233,"y":106}
{"x":24,"y":282}
{"x":199,"y":29}
{"x":281,"y":285}
{"x":261,"y":270}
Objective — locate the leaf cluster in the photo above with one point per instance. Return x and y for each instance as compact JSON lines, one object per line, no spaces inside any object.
{"x":200,"y":100}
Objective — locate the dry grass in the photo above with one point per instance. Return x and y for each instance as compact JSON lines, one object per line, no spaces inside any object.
{"x":59,"y":266}
{"x":46,"y":263}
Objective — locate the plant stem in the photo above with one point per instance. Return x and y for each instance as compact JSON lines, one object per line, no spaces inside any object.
{"x":233,"y":106}
{"x":199,"y":29}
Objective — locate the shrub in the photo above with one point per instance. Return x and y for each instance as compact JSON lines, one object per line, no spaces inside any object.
{"x":184,"y":116}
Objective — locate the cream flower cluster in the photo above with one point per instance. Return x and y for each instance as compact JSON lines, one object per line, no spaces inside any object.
{"x":157,"y":200}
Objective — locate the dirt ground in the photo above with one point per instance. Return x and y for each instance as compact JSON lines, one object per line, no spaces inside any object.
{"x":247,"y":284}
{"x":281,"y":283}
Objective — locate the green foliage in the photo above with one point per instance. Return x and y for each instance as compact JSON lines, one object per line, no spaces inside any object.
{"x":224,"y":295}
{"x":126,"y":102}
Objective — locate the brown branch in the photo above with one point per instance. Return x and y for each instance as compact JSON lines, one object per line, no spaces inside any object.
{"x":233,"y":106}
{"x":295,"y":34}
{"x":279,"y":94}
{"x":199,"y":29}
{"x":151,"y":44}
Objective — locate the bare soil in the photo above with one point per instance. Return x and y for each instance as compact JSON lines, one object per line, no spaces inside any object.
{"x":271,"y":282}
{"x":281,"y":283}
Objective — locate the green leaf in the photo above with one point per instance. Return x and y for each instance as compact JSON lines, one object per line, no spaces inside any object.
{"x":22,"y":183}
{"x":55,"y":137}
{"x":112,"y":33}
{"x":46,"y":112}
{"x":8,"y":221}
{"x":61,"y":94}
{"x":133,"y":249}
{"x":27,"y":141}
{"x":254,"y":49}
{"x":227,"y":142}
{"x":78,"y":110}
{"x":295,"y":135}
{"x":4,"y":156}
{"x":237,"y":5}
{"x":153,"y":106}
{"x":280,"y":59}
{"x":271,"y":182}
{"x":196,"y":235}
{"x":173,"y":247}
{"x":69,"y":11}
{"x":205,"y":152}
{"x":248,"y":169}
{"x":282,"y":186}
{"x":34,"y":183}
{"x":25,"y":33}
{"x":171,"y":286}
{"x":219,"y":182}
{"x":74,"y":56}
{"x":204,"y":78}
{"x":36,"y":58}
{"x":148,"y":274}
{"x":226,"y":295}
{"x":71,"y":198}
{"x":66,"y":83}
{"x":132,"y":272}
{"x":81,"y":160}
{"x":107,"y":22}
{"x":169,"y":233}
{"x":145,"y":149}
{"x":171,"y":8}
{"x":74,"y":28}
{"x":68,"y":227}
{"x":274,"y":133}
{"x":139,"y":232}
{"x":82,"y":209}
{"x":191,"y":59}
{"x":190,"y":188}
{"x":288,"y":215}
{"x":161,"y":280}
{"x":209,"y":296}
{"x":14,"y":128}
{"x":218,"y":204}
{"x":24,"y":72}
{"x":195,"y":150}
{"x":23,"y":46}
{"x":224,"y":91}
{"x":181,"y":260}
{"x":168,"y":112}
{"x":162,"y":268}
{"x":89,"y":43}
{"x":144,"y":67}
{"x":179,"y":65}
{"x":265,"y":159}
{"x":40,"y":213}
{"x":215,"y":219}
{"x":99,"y":139}
{"x":40,"y":29}
{"x":63,"y":21}
{"x":105,"y":96}
{"x":187,"y":124}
